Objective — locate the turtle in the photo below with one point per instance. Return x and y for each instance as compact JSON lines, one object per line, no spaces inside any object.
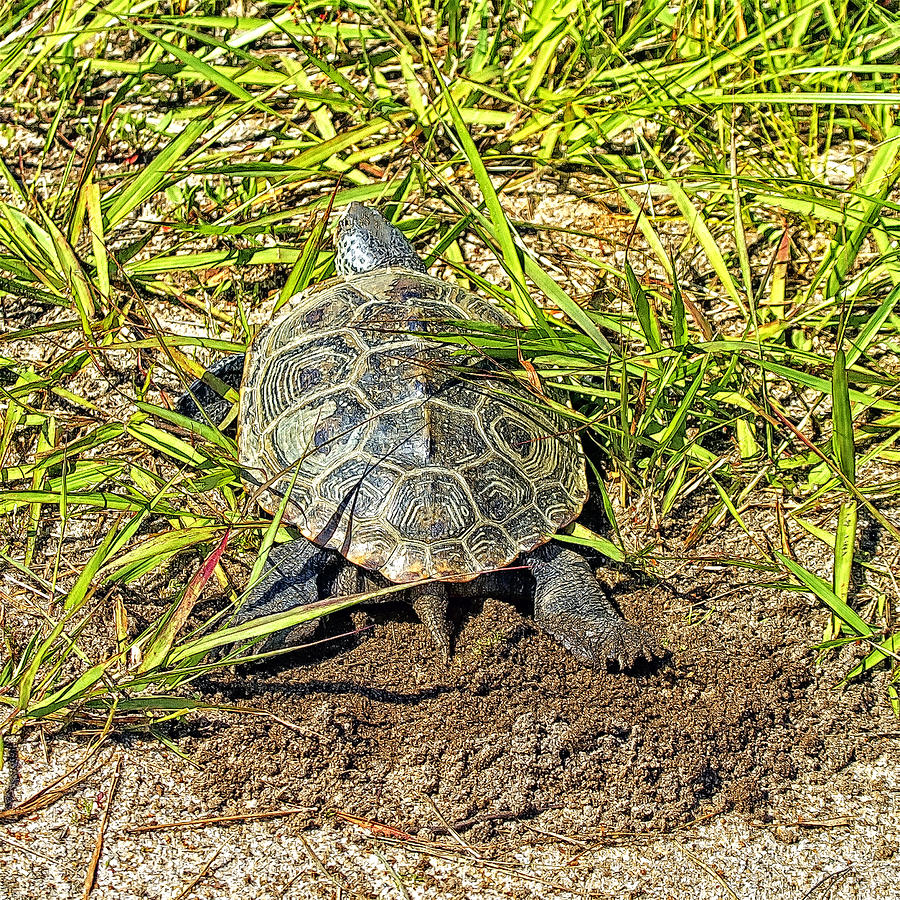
{"x":401,"y":458}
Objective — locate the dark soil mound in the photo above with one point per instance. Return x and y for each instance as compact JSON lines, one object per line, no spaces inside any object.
{"x":516,"y":728}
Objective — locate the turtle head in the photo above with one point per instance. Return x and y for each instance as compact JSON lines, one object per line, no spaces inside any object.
{"x":366,"y":241}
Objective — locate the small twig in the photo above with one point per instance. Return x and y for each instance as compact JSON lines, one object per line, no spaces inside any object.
{"x":218,"y":820}
{"x":833,"y":822}
{"x":377,"y":828}
{"x":27,"y":850}
{"x":395,"y":876}
{"x":317,"y":861}
{"x":709,"y":871}
{"x":455,"y":834}
{"x":514,"y":870}
{"x":826,"y":881}
{"x":584,"y":845}
{"x":503,"y":815}
{"x":91,"y":873}
{"x":201,"y":874}
{"x":693,"y":822}
{"x":250,"y":710}
{"x":607,"y":839}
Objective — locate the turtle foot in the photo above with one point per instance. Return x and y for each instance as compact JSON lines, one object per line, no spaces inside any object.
{"x":603,"y":640}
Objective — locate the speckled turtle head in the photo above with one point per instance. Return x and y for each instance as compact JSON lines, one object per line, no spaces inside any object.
{"x":367,"y":241}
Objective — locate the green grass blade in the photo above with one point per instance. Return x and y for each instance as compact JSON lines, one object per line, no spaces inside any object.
{"x":823,"y":591}
{"x":842,"y":418}
{"x":524,"y":305}
{"x":153,"y":176}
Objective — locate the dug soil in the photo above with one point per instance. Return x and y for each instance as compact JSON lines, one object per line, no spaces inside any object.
{"x":516,"y":731}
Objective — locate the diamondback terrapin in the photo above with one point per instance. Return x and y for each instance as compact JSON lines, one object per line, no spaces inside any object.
{"x":404,"y":460}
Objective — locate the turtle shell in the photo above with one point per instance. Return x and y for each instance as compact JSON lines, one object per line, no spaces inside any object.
{"x":395,"y":450}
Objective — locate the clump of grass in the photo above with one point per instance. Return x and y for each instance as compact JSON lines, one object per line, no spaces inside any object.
{"x":751,"y":151}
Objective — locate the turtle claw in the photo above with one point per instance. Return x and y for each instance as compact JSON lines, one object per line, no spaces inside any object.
{"x":603,"y":640}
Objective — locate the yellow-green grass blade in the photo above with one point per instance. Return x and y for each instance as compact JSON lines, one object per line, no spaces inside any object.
{"x":889,"y":648}
{"x":302,"y":273}
{"x":77,"y":690}
{"x":525,"y":308}
{"x":872,"y":326}
{"x":98,"y":241}
{"x":842,"y":418}
{"x":698,"y":227}
{"x":151,"y":552}
{"x":167,"y":443}
{"x":845,"y":458}
{"x":266,"y":625}
{"x":581,"y":534}
{"x":204,"y":69}
{"x":74,"y":601}
{"x":209,"y":433}
{"x":646,"y":315}
{"x":120,"y":203}
{"x":272,"y":530}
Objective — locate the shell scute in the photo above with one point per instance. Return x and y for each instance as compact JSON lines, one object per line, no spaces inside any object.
{"x":430,"y":506}
{"x":499,"y":490}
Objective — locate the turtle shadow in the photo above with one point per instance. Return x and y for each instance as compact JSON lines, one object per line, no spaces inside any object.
{"x":319,"y":686}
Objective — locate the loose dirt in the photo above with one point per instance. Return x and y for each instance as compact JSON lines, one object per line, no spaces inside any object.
{"x":516,"y":732}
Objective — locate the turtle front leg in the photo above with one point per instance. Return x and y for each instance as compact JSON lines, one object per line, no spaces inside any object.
{"x":203,"y":399}
{"x":292,"y":579}
{"x":570,"y":605}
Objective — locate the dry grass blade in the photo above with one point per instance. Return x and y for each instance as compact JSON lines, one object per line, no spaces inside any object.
{"x":91,"y":873}
{"x":204,"y":871}
{"x":717,"y":876}
{"x":59,"y":787}
{"x":511,"y":870}
{"x":339,"y":884}
{"x":217,"y":820}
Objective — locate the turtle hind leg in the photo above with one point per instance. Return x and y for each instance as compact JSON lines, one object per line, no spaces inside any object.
{"x":203,"y":400}
{"x":570,"y":605}
{"x":292,"y":578}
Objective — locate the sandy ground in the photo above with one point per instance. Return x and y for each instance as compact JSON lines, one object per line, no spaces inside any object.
{"x":327,"y":787}
{"x":838,"y":841}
